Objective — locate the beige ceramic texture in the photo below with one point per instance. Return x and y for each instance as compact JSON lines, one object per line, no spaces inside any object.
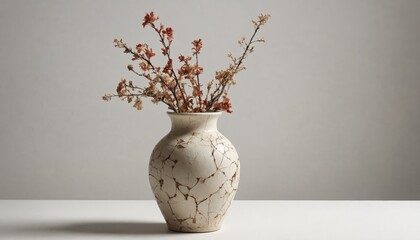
{"x":194,"y":173}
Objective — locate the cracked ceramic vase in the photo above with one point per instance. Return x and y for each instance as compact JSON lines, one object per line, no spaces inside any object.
{"x":194,"y":173}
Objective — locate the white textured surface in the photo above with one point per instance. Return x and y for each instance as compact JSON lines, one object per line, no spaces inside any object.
{"x":247,"y":220}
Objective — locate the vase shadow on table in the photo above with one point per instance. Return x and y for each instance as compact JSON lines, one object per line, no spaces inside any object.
{"x":112,"y":228}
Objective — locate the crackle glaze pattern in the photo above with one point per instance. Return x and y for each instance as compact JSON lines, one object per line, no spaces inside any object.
{"x":194,"y":173}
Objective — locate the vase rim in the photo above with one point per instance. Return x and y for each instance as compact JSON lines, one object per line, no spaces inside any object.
{"x":194,"y":113}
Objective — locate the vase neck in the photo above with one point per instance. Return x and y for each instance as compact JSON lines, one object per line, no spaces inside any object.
{"x":194,"y":122}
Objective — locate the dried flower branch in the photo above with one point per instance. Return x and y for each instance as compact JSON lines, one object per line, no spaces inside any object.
{"x":168,"y":85}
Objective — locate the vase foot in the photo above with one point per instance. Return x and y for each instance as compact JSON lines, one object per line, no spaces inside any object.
{"x":184,"y":229}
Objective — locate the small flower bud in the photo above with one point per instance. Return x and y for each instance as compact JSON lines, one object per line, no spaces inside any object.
{"x":119,"y":43}
{"x":106,"y":97}
{"x":138,"y":104}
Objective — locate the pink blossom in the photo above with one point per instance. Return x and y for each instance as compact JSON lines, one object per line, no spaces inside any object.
{"x":197,"y":45}
{"x":149,"y":19}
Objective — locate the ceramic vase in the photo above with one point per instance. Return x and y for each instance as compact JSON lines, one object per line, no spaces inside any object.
{"x":194,"y":173}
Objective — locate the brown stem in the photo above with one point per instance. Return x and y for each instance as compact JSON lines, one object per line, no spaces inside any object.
{"x":154,"y":71}
{"x":167,"y":48}
{"x":141,"y":74}
{"x":224,"y":83}
{"x":247,"y":47}
{"x":198,"y":82}
{"x":141,"y":95}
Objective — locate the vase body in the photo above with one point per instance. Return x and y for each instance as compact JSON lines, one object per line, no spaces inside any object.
{"x":194,"y":173}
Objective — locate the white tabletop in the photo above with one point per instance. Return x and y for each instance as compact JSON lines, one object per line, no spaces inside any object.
{"x":338,"y":220}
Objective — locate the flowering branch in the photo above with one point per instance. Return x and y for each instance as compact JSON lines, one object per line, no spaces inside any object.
{"x":168,"y":32}
{"x":168,"y":86}
{"x":226,"y":77}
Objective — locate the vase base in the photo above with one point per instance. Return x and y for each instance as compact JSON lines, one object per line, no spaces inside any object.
{"x":183,"y":229}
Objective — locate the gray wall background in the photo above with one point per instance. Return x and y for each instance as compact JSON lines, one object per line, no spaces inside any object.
{"x":329,"y":107}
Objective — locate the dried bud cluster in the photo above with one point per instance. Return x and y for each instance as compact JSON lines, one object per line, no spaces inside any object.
{"x":180,"y":89}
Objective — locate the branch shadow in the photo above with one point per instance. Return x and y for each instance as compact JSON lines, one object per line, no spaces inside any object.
{"x":110,"y":228}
